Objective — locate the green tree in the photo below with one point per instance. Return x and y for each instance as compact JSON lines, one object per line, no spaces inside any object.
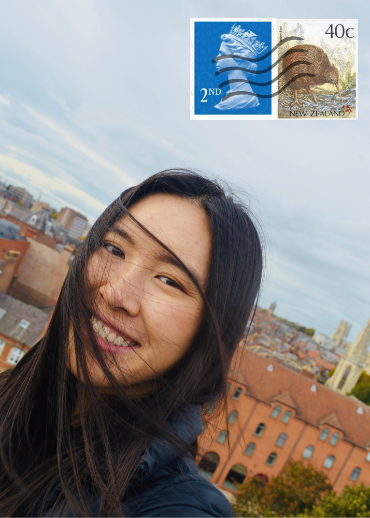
{"x":296,"y":489}
{"x":330,"y":373}
{"x":362,"y":392}
{"x":354,"y":501}
{"x":310,"y":331}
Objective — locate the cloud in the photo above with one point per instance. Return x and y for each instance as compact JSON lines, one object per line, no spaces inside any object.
{"x":52,"y":185}
{"x":4,"y":99}
{"x":74,"y":142}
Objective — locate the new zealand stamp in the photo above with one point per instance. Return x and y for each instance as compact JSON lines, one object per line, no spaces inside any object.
{"x":318,"y":74}
{"x":231,"y":73}
{"x":273,"y":69}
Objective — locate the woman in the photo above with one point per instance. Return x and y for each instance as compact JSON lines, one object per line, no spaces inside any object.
{"x":101,"y":416}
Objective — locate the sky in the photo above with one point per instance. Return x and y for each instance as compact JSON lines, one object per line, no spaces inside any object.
{"x":95,"y":97}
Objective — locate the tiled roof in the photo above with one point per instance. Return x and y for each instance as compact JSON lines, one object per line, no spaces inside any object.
{"x":312,"y":354}
{"x":332,"y":420}
{"x":323,"y":363}
{"x":284,"y":398}
{"x":16,"y":311}
{"x":313,"y":401}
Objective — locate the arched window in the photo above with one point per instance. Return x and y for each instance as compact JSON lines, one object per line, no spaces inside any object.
{"x":260,"y":429}
{"x":345,"y":376}
{"x":355,"y":474}
{"x":334,"y":438}
{"x":271,"y":459}
{"x":281,"y":440}
{"x":232,"y":416}
{"x":324,"y":434}
{"x":208,"y":464}
{"x":286,"y":416}
{"x":33,"y":220}
{"x":237,"y":393}
{"x":308,"y":452}
{"x":329,"y":461}
{"x":228,"y":387}
{"x":222,"y":437}
{"x":276,"y":411}
{"x":235,"y":476}
{"x":250,"y":449}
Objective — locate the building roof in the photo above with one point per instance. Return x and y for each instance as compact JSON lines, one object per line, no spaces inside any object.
{"x":314,"y":402}
{"x":16,"y":312}
{"x":332,"y":420}
{"x":284,"y":398}
{"x":323,"y":363}
{"x":9,"y":230}
{"x":47,"y":241}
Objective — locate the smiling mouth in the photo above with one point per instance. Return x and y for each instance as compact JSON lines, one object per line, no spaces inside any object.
{"x":108,"y":335}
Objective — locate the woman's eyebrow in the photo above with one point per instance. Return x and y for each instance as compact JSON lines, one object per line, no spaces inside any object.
{"x":163,"y":256}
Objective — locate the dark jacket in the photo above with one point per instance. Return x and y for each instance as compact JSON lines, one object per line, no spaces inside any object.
{"x":167,"y":482}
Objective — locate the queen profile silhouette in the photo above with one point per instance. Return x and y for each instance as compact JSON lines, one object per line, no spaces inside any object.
{"x":244,"y":44}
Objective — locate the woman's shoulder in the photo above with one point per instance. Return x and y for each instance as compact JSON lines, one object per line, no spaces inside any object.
{"x":179,"y":493}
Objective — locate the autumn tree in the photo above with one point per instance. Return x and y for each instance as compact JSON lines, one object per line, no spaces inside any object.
{"x":296,"y":489}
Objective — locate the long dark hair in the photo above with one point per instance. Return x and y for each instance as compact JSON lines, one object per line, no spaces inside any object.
{"x":39,"y":448}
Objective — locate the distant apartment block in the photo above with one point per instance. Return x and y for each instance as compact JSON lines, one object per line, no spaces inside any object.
{"x":19,"y":194}
{"x":74,"y":222}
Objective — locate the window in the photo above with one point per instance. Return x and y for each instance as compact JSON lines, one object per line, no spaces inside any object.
{"x":329,"y":461}
{"x":324,"y":434}
{"x":271,"y":459}
{"x":15,"y":355}
{"x":345,"y":376}
{"x":23,"y":324}
{"x":235,"y":476}
{"x":260,"y":429}
{"x":276,"y":412}
{"x":2,"y":312}
{"x":228,"y":387}
{"x":308,"y":452}
{"x":286,"y":416}
{"x":355,"y":474}
{"x":250,"y":449}
{"x":368,"y":457}
{"x":222,"y":437}
{"x":2,"y":343}
{"x":281,"y":440}
{"x":13,"y":254}
{"x":237,"y":393}
{"x":232,"y":417}
{"x":334,"y":438}
{"x":208,"y":464}
{"x":33,"y":220}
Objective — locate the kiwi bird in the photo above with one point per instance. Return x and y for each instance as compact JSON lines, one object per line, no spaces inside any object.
{"x":320,"y":68}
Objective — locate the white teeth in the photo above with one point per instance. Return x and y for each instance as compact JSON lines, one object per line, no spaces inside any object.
{"x":111,"y":337}
{"x":97,"y":326}
{"x":104,"y":332}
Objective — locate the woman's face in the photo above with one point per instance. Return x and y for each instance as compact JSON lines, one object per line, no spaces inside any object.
{"x":227,"y":62}
{"x":145,"y":302}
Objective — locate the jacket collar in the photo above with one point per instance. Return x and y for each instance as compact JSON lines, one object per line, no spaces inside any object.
{"x":187,"y":424}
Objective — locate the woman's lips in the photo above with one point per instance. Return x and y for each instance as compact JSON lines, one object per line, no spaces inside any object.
{"x":114,"y":349}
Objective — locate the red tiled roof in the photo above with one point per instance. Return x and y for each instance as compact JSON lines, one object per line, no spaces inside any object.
{"x":312,"y":354}
{"x":284,"y":398}
{"x":313,"y":401}
{"x":332,"y":420}
{"x":323,"y":363}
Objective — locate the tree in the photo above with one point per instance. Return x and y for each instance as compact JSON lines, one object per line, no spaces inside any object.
{"x":354,"y":501}
{"x":296,"y":489}
{"x":310,"y":331}
{"x":362,"y":388}
{"x":362,"y":392}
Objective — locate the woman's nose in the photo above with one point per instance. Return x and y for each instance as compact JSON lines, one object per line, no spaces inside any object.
{"x":124,"y":290}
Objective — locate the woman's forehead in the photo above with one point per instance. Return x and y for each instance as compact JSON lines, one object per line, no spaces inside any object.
{"x":178,"y":223}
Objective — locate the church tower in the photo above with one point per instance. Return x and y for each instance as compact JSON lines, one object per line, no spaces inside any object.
{"x":271,"y":309}
{"x":352,"y":364}
{"x":341,"y":332}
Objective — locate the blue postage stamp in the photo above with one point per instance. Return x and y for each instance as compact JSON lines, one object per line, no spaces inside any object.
{"x":231,"y":68}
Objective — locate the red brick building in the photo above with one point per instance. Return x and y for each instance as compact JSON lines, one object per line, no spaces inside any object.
{"x":275,"y":414}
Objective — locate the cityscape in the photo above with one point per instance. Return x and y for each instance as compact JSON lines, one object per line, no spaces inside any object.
{"x":289,"y":388}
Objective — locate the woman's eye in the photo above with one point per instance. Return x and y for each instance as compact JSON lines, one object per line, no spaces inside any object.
{"x":114,"y":250}
{"x":170,"y":282}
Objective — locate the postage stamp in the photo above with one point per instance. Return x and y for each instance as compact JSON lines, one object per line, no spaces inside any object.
{"x":272,"y":69}
{"x":231,"y":74}
{"x":318,"y":74}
